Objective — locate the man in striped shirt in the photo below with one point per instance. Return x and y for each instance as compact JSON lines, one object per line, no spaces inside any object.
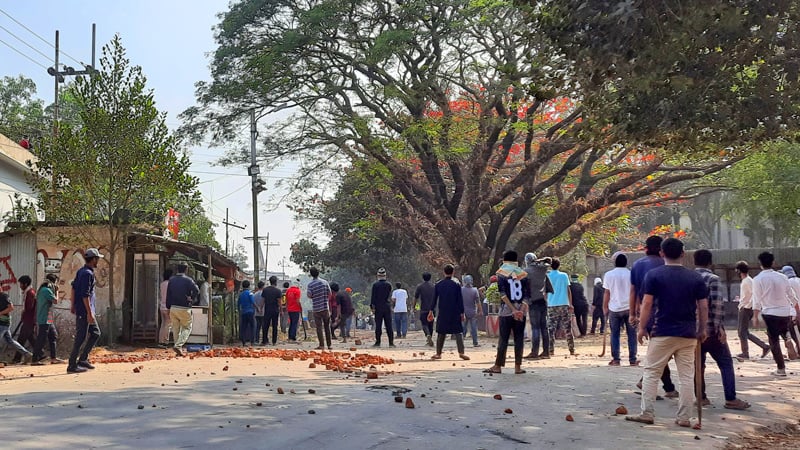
{"x":318,"y":291}
{"x":717,"y":344}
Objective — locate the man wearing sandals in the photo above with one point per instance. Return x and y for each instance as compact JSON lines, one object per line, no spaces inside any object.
{"x":717,"y":344}
{"x":677,"y":297}
{"x":451,"y":313}
{"x":514,"y":288}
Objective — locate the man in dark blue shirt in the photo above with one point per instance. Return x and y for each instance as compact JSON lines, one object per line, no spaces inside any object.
{"x":678,"y":299}
{"x":451,"y":313}
{"x":181,"y":294}
{"x":83,"y":300}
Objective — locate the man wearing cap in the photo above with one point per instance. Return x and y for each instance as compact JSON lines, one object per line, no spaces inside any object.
{"x":540,"y":287}
{"x":380,"y":304}
{"x":83,"y":302}
{"x":580,"y":304}
{"x":181,"y":293}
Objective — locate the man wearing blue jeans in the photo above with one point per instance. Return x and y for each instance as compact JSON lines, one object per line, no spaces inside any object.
{"x":617,"y":283}
{"x":716,"y":344}
{"x":83,"y":306}
{"x":400,"y":302}
{"x":540,"y":288}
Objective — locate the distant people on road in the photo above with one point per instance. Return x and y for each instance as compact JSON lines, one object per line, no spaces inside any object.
{"x":5,"y":324}
{"x":677,"y":298}
{"x":318,"y":291}
{"x":163,"y":331}
{"x":333,"y":307}
{"x":580,"y":304}
{"x":400,"y":302}
{"x":346,"y":310}
{"x":473,"y":309}
{"x":27,"y":332}
{"x":616,"y":306}
{"x":46,"y":297}
{"x":793,"y":345}
{"x":451,"y":313}
{"x":181,"y":293}
{"x":247,"y":315}
{"x":540,"y":289}
{"x":774,"y":298}
{"x":425,"y":293}
{"x":380,"y":304}
{"x":293,"y":308}
{"x":597,"y":306}
{"x":259,"y":314}
{"x":746,"y":314}
{"x":560,"y":309}
{"x":271,"y":296}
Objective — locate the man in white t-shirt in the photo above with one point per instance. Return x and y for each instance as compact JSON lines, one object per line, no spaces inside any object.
{"x":400,"y":302}
{"x":616,"y":305}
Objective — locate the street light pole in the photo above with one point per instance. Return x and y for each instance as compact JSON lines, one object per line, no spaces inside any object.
{"x":253,"y":172}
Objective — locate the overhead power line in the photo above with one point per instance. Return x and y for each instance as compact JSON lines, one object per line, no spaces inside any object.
{"x":38,"y":36}
{"x":24,"y":42}
{"x":23,"y":54}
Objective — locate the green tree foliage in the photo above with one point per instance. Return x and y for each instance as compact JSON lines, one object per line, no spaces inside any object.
{"x":484,"y":135}
{"x":119,"y":165}
{"x":21,"y":113}
{"x":681,"y":74}
{"x":765,"y":195}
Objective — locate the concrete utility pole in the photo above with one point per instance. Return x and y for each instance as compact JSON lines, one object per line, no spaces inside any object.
{"x":257,"y":187}
{"x":266,"y":253}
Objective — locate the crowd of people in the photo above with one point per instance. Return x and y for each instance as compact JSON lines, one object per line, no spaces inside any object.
{"x":678,"y":309}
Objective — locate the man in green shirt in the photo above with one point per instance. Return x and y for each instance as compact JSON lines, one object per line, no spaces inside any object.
{"x":45,"y":298}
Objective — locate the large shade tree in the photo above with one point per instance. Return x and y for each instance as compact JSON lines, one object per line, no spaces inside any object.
{"x":495,"y":124}
{"x":117,"y":165}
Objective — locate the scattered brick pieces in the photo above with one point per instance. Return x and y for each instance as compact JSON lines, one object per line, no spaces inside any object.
{"x":498,"y":397}
{"x":372,"y":375}
{"x":398,"y":399}
{"x":569,"y":418}
{"x":409,"y":403}
{"x":312,"y":391}
{"x":140,"y":406}
{"x":508,"y":411}
{"x":279,"y":390}
{"x":621,"y":410}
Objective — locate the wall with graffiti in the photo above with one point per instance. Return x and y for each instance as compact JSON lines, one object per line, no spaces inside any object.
{"x":53,"y":256}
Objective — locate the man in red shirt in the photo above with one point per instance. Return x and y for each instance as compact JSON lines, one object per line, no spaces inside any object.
{"x":294,"y":309}
{"x":27,"y":333}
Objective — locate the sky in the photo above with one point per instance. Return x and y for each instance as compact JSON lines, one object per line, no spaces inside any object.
{"x":171,"y":40}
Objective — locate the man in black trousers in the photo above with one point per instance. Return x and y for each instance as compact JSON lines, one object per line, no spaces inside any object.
{"x":381,"y":307}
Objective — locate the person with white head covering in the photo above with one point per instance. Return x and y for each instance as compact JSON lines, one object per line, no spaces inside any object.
{"x":794,"y":284}
{"x":597,"y":306}
{"x":540,"y":288}
{"x":472,"y":308}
